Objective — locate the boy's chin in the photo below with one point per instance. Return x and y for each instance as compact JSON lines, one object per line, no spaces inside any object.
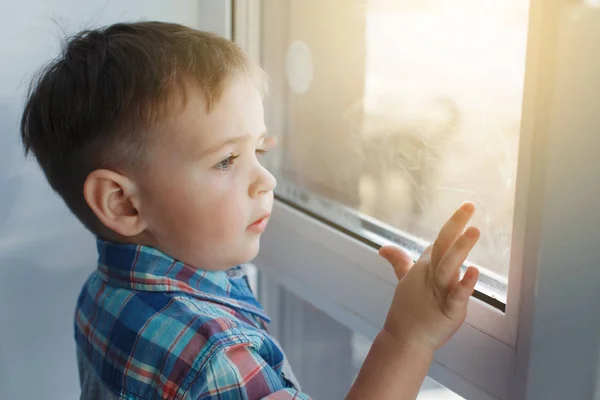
{"x":247,"y":253}
{"x":253,"y":251}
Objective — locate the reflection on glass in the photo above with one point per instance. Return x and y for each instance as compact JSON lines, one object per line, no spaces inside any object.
{"x":408,"y":108}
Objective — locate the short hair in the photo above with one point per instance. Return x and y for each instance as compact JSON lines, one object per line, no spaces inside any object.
{"x":95,"y":105}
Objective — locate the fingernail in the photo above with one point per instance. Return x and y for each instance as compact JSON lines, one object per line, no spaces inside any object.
{"x":472,"y":233}
{"x":467,"y":206}
{"x":470,"y":274}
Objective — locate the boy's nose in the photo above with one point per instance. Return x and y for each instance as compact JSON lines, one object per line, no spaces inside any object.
{"x":265,"y":182}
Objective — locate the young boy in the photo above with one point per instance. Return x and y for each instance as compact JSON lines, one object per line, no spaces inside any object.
{"x":151,"y":133}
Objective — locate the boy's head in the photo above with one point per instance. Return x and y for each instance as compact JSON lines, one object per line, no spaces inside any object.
{"x":150,"y":133}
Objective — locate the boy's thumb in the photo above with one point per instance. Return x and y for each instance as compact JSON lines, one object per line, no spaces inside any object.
{"x":401,"y":262}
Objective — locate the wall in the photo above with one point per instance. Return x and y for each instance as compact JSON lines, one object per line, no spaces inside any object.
{"x":45,"y":255}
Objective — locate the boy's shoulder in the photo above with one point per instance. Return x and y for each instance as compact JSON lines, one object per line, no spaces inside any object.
{"x":148,"y":342}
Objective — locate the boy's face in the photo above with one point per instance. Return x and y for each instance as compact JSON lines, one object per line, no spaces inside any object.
{"x":204,"y":196}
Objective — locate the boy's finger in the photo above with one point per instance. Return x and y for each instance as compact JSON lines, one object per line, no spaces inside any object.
{"x":458,"y":298}
{"x":455,"y":257}
{"x":450,"y":231}
{"x":427,"y":251}
{"x":400,"y":260}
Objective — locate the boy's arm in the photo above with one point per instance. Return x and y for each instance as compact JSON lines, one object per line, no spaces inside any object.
{"x":393,"y":369}
{"x":429,"y":305}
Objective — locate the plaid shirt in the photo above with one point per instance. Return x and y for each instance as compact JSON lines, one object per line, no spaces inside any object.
{"x":150,"y":327}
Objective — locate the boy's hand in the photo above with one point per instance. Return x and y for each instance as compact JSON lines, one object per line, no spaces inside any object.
{"x":430,"y":303}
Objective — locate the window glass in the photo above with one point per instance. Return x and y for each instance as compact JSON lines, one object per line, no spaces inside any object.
{"x":399,"y":110}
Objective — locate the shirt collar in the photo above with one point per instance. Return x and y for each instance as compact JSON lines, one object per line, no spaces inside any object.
{"x":147,"y":269}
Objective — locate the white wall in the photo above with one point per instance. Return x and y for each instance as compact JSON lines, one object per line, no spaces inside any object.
{"x":45,"y":255}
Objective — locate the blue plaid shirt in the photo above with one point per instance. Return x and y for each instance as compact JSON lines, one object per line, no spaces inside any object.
{"x":150,"y":327}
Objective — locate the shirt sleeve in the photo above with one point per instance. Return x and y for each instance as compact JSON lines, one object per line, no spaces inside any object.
{"x":239,"y":372}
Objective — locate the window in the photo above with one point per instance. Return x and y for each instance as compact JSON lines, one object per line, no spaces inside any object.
{"x":391,"y":113}
{"x":395,"y":112}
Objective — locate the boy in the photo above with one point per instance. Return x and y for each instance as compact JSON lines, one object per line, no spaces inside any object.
{"x":151,"y":133}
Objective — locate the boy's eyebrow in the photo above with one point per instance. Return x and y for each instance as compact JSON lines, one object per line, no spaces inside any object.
{"x":233,"y":140}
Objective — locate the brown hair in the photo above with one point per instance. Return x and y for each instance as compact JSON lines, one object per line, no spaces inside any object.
{"x":96,"y":104}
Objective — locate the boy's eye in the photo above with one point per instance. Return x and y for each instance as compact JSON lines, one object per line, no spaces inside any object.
{"x":260,"y":152}
{"x":226,"y":164}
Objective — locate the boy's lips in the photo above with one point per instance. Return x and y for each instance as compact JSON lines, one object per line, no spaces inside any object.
{"x":260,"y":224}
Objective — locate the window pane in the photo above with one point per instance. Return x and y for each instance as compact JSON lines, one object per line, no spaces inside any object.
{"x":401,"y":109}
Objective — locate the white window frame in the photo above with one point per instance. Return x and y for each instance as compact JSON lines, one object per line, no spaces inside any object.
{"x":493,"y":356}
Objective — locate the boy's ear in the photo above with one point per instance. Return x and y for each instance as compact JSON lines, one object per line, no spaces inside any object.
{"x":115,"y":201}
